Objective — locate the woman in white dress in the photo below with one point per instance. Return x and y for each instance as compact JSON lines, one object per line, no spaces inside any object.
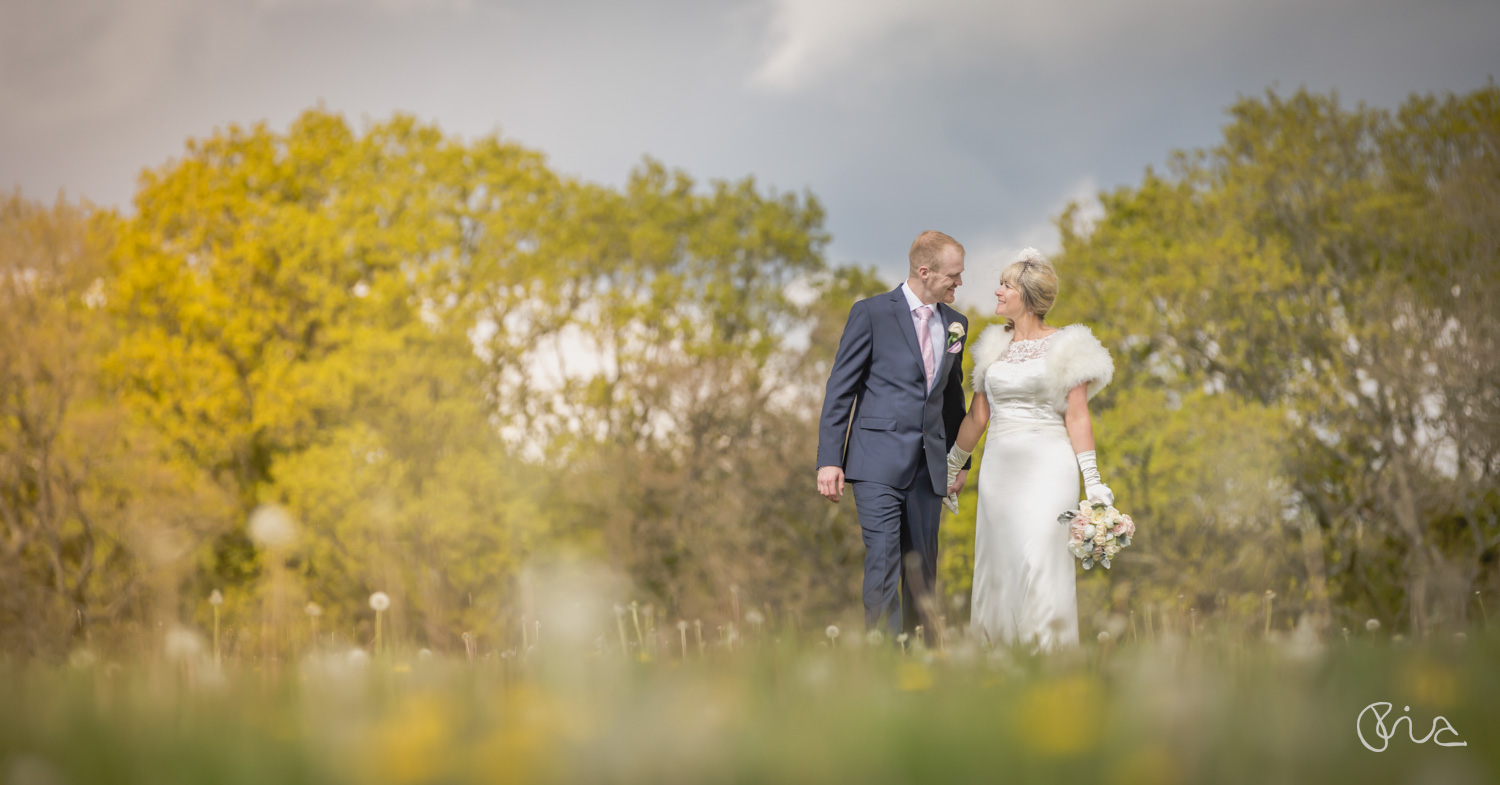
{"x":1032,"y":384}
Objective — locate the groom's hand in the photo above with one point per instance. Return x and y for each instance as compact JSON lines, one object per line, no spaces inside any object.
{"x":958,"y":481}
{"x":831,"y":483}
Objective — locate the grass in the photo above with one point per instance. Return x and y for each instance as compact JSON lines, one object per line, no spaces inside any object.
{"x":770,"y":709}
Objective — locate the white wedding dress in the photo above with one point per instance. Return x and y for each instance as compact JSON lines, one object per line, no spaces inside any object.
{"x":1024,"y":588}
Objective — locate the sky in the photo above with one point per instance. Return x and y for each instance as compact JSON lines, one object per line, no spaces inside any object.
{"x":978,"y":119}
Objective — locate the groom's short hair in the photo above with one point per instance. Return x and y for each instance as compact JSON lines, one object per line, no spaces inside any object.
{"x":927,"y":250}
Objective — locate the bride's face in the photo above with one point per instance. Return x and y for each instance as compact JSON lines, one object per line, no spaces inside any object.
{"x":1009,"y":302}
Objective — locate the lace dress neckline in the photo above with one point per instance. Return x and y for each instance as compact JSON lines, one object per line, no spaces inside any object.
{"x":1028,"y":349}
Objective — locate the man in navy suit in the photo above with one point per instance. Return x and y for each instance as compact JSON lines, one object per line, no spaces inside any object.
{"x":899,"y":374}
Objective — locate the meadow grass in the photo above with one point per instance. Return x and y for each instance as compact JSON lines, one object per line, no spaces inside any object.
{"x":769,"y":707}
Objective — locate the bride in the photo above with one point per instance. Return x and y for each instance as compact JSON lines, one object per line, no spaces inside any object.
{"x":1032,"y":384}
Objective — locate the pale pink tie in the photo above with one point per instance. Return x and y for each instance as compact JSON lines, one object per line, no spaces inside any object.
{"x":924,"y":340}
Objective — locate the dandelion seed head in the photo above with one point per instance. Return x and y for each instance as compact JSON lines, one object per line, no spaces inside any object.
{"x":357,"y":658}
{"x":1372,"y":625}
{"x":424,"y":654}
{"x":682,"y":626}
{"x":271,"y":526}
{"x":216,"y":598}
{"x":1460,"y":637}
{"x":182,"y":643}
{"x":832,"y":632}
{"x":380,"y":601}
{"x":1270,"y":595}
{"x":313,"y":609}
{"x":755,"y":617}
{"x":1104,"y":636}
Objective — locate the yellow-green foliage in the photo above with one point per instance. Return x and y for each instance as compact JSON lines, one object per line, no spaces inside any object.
{"x":1303,"y":325}
{"x":438,"y":356}
{"x":98,"y":517}
{"x":442,"y":358}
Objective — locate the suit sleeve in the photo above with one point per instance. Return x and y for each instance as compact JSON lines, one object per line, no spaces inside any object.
{"x":953,"y":398}
{"x":851,"y":366}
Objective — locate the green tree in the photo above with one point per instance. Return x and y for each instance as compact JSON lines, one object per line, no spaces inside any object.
{"x":1328,"y":268}
{"x":96,"y":516}
{"x":291,"y":300}
{"x":442,"y":357}
{"x":693,"y":339}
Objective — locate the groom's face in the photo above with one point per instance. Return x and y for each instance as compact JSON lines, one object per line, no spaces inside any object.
{"x":944,"y":279}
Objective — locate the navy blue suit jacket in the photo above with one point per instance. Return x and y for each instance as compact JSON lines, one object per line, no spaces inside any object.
{"x":878,"y":377}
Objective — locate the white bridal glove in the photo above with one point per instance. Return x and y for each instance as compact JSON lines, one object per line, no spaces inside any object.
{"x":957,"y":457}
{"x":1094,"y":488}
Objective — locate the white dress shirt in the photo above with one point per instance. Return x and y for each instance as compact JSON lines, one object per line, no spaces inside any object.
{"x":934,"y":325}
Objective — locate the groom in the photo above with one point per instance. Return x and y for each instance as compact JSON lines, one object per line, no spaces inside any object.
{"x":899,"y":374}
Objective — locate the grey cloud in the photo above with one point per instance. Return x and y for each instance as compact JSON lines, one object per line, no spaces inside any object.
{"x":71,"y":61}
{"x":977,"y":120}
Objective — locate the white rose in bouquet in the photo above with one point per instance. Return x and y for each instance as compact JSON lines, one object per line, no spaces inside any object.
{"x":1097,"y":534}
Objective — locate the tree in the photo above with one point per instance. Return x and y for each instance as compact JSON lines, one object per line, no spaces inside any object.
{"x":441,"y":357}
{"x":1328,"y":266}
{"x":94,"y":511}
{"x":293,"y":318}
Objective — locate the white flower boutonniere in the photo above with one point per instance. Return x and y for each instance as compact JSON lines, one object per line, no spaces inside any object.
{"x":955,"y":334}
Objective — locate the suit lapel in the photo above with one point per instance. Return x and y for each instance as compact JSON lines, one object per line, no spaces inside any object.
{"x":949,"y":316}
{"x":907,"y":326}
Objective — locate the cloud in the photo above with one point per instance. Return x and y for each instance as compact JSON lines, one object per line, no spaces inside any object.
{"x":390,"y":6}
{"x":810,"y":42}
{"x":76,"y":60}
{"x":980,"y":118}
{"x":812,"y":37}
{"x":988,"y":254}
{"x":63,"y":61}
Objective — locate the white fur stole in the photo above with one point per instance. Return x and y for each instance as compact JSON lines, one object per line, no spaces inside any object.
{"x":1074,"y":356}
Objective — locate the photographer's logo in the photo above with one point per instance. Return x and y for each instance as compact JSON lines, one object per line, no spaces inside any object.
{"x":1379,"y":731}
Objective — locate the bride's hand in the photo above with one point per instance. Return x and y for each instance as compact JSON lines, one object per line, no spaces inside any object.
{"x":957,"y":483}
{"x":1094,"y":488}
{"x":957,"y":457}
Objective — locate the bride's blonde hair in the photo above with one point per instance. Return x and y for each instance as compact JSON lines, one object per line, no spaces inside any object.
{"x":1032,"y":275}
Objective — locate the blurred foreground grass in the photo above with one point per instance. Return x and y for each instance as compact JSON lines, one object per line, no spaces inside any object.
{"x":773,"y":710}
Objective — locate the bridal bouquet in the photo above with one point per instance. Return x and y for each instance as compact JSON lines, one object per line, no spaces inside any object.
{"x":1097,"y":532}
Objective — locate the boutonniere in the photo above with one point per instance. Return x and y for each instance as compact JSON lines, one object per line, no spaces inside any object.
{"x":955,"y":337}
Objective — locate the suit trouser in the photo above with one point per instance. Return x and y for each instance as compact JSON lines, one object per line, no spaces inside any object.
{"x":900,"y":527}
